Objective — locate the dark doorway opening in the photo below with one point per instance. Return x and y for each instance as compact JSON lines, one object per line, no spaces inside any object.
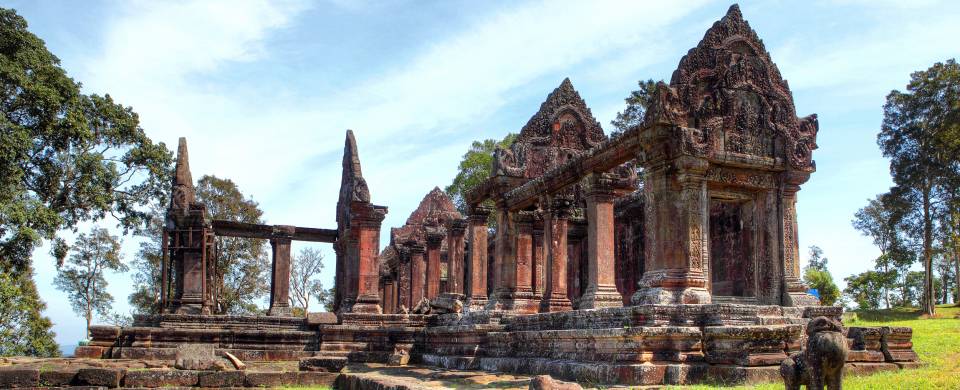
{"x":730,"y":249}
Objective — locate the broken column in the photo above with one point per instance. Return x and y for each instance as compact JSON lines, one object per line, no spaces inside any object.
{"x":280,"y":271}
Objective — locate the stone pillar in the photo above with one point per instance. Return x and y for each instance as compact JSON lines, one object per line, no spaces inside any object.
{"x":404,"y":279}
{"x":504,"y":257}
{"x":455,"y":257}
{"x":476,"y":270}
{"x":601,"y":288}
{"x":539,"y":266}
{"x":389,"y":296}
{"x":366,"y":226}
{"x":418,"y":273}
{"x":280,"y":271}
{"x":676,"y":216}
{"x":795,"y":291}
{"x":555,"y":237}
{"x":517,"y":267}
{"x":434,"y":239}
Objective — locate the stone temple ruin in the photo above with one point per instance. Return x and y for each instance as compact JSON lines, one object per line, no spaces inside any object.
{"x":591,"y":273}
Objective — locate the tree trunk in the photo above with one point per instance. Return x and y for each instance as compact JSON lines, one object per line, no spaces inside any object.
{"x":886,"y":288}
{"x":956,"y":275}
{"x":928,"y":306}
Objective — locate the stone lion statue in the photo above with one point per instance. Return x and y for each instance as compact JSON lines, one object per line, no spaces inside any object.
{"x":821,"y":362}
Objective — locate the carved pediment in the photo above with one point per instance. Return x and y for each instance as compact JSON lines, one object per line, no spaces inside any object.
{"x":731,"y":92}
{"x":562,"y":129}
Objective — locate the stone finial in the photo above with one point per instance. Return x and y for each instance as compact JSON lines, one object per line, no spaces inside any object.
{"x":183,"y":193}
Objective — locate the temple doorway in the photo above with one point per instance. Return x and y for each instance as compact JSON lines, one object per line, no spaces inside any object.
{"x":731,"y":264}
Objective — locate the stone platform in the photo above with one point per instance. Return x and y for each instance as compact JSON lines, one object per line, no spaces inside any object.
{"x":636,"y":345}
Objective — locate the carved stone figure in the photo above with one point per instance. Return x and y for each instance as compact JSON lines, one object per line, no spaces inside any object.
{"x":821,"y":363}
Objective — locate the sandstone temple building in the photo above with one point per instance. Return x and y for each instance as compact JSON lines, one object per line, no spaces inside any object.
{"x":667,"y":254}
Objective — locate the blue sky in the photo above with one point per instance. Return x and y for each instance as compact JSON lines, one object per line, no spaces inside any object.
{"x":264,"y":91}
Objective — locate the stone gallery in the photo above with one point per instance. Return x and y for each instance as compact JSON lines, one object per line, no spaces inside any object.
{"x":568,"y":263}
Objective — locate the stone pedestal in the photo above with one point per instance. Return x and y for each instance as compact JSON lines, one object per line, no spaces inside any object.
{"x":601,"y":290}
{"x":476,"y":270}
{"x":555,"y":240}
{"x":280,"y":271}
{"x":675,"y":248}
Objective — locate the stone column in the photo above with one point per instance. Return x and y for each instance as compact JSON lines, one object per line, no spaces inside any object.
{"x":504,"y":257}
{"x":434,"y":239}
{"x":389,"y":296}
{"x":476,"y":270}
{"x":455,"y":257}
{"x":404,"y":279}
{"x":676,"y":217}
{"x":367,"y":228}
{"x":280,"y":271}
{"x":418,"y":273}
{"x":518,"y":275}
{"x":795,"y":291}
{"x":555,"y":237}
{"x":601,"y":288}
{"x":539,"y":267}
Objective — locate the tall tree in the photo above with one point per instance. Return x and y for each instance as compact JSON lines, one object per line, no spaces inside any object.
{"x":304,"y":283}
{"x":65,"y":157}
{"x":865,"y":289}
{"x":882,"y":219}
{"x":474,"y":168}
{"x":917,"y":134}
{"x":241,"y":273}
{"x":82,"y":276}
{"x":23,"y":330}
{"x":636,"y":110}
{"x":146,"y":266}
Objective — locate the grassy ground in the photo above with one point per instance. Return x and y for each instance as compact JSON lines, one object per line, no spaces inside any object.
{"x":936,"y":340}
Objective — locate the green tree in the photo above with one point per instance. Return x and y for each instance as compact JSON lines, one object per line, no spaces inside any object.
{"x":636,"y":110}
{"x":82,"y":276}
{"x":865,"y":289}
{"x":65,"y":157}
{"x":917,"y":134}
{"x":23,"y":330}
{"x":242,"y":269}
{"x":882,"y":219}
{"x":325,"y":297}
{"x":474,"y":168}
{"x":146,"y":266}
{"x":304,"y":283}
{"x":817,"y":276}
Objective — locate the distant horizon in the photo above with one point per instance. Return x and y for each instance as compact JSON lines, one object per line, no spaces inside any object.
{"x":264,"y":92}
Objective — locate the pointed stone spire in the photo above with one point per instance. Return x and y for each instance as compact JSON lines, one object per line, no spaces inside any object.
{"x":183,"y":193}
{"x":352,"y":185}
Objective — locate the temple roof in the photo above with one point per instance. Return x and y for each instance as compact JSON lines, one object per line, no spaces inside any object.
{"x":436,"y":208}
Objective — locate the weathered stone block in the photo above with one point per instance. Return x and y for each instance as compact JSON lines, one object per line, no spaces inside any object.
{"x":322,"y":318}
{"x":90,"y":352}
{"x":270,"y":379}
{"x":160,"y":378}
{"x":323,"y":364}
{"x":107,"y":377}
{"x":545,"y":382}
{"x":57,"y":377}
{"x":197,"y":357}
{"x":897,"y":345}
{"x":316,"y":378}
{"x":222,"y":379}
{"x":13,"y":378}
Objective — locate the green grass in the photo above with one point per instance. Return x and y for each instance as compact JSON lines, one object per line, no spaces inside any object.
{"x":936,"y":340}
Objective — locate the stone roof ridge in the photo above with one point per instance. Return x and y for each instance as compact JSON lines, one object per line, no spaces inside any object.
{"x":436,"y":206}
{"x":542,"y":127}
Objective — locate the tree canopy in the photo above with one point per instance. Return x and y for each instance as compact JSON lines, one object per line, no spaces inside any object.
{"x":637,"y":104}
{"x":65,"y":157}
{"x":920,"y":135}
{"x":82,"y":277}
{"x":474,"y":168}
